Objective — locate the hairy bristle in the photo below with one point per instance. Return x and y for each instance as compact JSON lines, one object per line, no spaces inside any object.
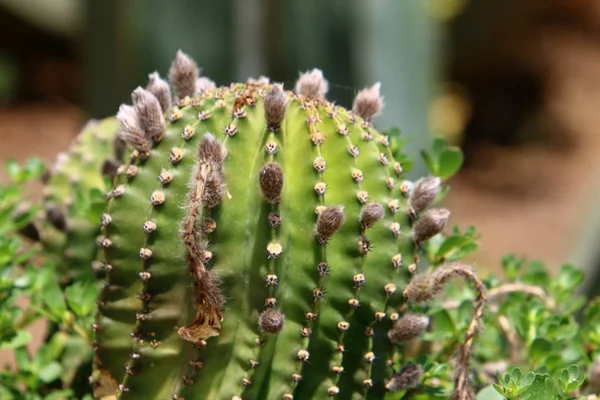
{"x":160,"y":89}
{"x":131,"y":130}
{"x":271,"y":182}
{"x":312,"y":84}
{"x":203,"y":84}
{"x":329,"y":222}
{"x":275,"y":105}
{"x":408,"y":377}
{"x":368,"y":103}
{"x":423,"y":194}
{"x":150,"y":114}
{"x":408,"y":327}
{"x":430,"y":224}
{"x":371,"y":213}
{"x":183,"y":75}
{"x":271,"y":321}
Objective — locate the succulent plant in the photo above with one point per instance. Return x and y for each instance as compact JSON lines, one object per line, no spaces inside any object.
{"x":73,"y":196}
{"x":259,"y":244}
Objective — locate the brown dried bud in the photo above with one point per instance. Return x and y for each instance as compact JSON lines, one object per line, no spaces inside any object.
{"x":275,"y":105}
{"x":56,"y":217}
{"x":271,"y":321}
{"x":312,"y":84}
{"x":371,"y":213}
{"x":271,"y":182}
{"x":131,"y":130}
{"x":150,"y":114}
{"x":408,"y":327}
{"x":160,"y":89}
{"x":368,"y":103}
{"x":423,"y":194}
{"x":408,"y":377}
{"x":183,"y":75}
{"x":329,"y":221}
{"x":422,"y":288}
{"x":430,"y":224}
{"x":204,"y":84}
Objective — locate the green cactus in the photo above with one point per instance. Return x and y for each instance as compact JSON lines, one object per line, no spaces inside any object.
{"x":72,"y":196}
{"x":256,"y":246}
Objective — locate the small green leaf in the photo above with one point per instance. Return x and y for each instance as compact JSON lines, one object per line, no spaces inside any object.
{"x":540,"y":349}
{"x":449,"y":162}
{"x":50,"y":372}
{"x":489,"y":393}
{"x":53,"y":298}
{"x":430,"y":162}
{"x":13,"y":169}
{"x":20,"y":339}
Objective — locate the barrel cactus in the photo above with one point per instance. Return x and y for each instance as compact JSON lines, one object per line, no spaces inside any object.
{"x":261,"y":243}
{"x":72,"y":195}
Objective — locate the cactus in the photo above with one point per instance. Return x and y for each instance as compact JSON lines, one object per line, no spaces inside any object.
{"x":67,"y":227}
{"x":255,"y":246}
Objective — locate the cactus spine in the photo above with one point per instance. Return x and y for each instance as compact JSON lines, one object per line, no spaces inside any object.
{"x":253,"y":246}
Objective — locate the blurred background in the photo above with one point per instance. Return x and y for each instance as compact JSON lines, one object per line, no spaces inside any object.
{"x":515,"y":83}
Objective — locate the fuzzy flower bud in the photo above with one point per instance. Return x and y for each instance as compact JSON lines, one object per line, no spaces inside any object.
{"x":408,"y":377}
{"x":183,"y":75}
{"x":368,"y":103}
{"x":329,"y":221}
{"x":423,"y":194}
{"x":131,"y":130}
{"x":271,"y":321}
{"x":371,"y":213}
{"x":422,"y":288}
{"x":430,"y":224}
{"x":275,"y":105}
{"x":312,"y":84}
{"x":408,"y":327}
{"x":56,"y":217}
{"x":271,"y":182}
{"x":149,"y":112}
{"x":160,"y":89}
{"x":203,"y":84}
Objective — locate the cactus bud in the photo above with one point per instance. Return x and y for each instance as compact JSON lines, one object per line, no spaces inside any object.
{"x":368,"y":103}
{"x":160,"y":89}
{"x":430,"y":224}
{"x":423,"y":194}
{"x":183,"y":75}
{"x":312,"y":84}
{"x":210,"y":150}
{"x":271,"y":321}
{"x":422,"y":288}
{"x":56,"y":217}
{"x":329,"y":221}
{"x":271,"y":182}
{"x":150,"y":114}
{"x":408,"y":327}
{"x":131,"y":130}
{"x":371,"y":213}
{"x":275,"y":105}
{"x":203,"y":84}
{"x":408,"y":377}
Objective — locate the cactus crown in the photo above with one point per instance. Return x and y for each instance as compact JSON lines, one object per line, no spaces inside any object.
{"x":253,"y":244}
